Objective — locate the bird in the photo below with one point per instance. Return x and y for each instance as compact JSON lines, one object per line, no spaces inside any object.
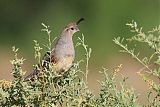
{"x":62,"y":53}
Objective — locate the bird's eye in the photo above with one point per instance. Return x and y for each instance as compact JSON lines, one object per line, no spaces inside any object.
{"x":72,"y":28}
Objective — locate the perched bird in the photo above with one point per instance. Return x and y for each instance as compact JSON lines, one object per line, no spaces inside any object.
{"x":62,"y":54}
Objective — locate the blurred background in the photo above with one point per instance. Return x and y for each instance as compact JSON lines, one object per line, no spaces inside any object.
{"x":20,"y":24}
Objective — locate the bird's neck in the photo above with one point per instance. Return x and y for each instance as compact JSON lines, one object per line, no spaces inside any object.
{"x":66,"y":37}
{"x":64,"y":46}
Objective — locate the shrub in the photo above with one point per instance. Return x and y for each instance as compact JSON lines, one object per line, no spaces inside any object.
{"x":71,"y":90}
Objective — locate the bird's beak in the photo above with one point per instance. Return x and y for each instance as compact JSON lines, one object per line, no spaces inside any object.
{"x":77,"y":29}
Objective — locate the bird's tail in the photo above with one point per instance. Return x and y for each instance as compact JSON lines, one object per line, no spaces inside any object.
{"x":36,"y":71}
{"x":32,"y":75}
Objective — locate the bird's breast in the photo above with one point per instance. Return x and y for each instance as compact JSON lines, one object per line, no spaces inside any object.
{"x":65,"y":49}
{"x":64,"y":63}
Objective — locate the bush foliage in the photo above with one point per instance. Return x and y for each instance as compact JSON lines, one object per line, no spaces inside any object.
{"x":71,"y":90}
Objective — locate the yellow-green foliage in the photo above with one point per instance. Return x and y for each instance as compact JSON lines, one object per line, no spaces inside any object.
{"x":71,"y":90}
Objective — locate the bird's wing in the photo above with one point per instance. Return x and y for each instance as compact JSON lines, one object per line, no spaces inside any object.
{"x":50,"y":57}
{"x":53,"y":57}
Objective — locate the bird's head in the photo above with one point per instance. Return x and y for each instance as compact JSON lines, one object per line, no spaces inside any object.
{"x":72,"y":28}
